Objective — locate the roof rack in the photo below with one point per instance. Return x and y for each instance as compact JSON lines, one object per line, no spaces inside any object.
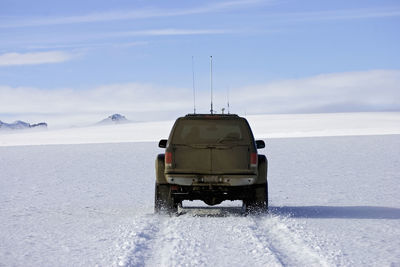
{"x":212,"y":115}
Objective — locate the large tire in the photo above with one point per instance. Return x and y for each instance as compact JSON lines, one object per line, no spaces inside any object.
{"x":259,"y":202}
{"x":163,"y":200}
{"x":160,"y":167}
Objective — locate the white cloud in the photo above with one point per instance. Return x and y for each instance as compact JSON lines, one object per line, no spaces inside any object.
{"x":148,"y":13}
{"x":339,"y":14}
{"x":77,"y":46}
{"x":10,"y":59}
{"x":377,"y":90}
{"x":70,"y":106}
{"x":79,"y":42}
{"x":165,"y":32}
{"x":142,"y":13}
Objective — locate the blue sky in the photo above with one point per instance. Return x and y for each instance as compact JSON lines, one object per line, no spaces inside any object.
{"x":76,"y":52}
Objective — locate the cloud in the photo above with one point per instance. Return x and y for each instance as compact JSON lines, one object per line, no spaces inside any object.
{"x":166,"y":32}
{"x":12,"y":59}
{"x":214,"y":7}
{"x":71,"y":106}
{"x":77,"y":46}
{"x":339,"y":14}
{"x":142,"y":13}
{"x":376,"y":90}
{"x":88,"y":40}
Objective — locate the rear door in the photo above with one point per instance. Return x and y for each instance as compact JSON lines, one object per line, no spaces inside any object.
{"x":211,"y":145}
{"x":230,"y":159}
{"x":191,"y":159}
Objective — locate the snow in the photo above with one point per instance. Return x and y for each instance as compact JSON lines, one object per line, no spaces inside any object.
{"x":114,"y":119}
{"x":334,"y":200}
{"x":264,"y":126}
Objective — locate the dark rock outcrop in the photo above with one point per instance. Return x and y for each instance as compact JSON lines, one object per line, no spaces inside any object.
{"x":19,"y":125}
{"x":114,"y":119}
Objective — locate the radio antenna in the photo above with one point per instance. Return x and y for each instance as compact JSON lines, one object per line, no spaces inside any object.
{"x":228,"y":101}
{"x":194,"y":91}
{"x":211,"y":86}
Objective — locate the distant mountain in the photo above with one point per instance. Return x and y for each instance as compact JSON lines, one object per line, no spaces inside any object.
{"x":19,"y":125}
{"x":114,"y":119}
{"x":39,"y":125}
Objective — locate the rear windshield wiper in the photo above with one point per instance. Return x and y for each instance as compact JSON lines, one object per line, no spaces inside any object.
{"x":228,"y":139}
{"x":203,"y":146}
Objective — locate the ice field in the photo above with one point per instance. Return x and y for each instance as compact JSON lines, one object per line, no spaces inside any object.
{"x":334,"y":201}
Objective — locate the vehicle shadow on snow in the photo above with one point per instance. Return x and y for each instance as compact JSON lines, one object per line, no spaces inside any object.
{"x":211,"y":211}
{"x":337,"y":212}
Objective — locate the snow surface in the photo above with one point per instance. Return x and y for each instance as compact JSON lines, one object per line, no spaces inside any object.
{"x":264,"y":126}
{"x":334,"y":202}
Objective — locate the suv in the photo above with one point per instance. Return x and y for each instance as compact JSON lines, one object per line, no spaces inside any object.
{"x":211,"y":157}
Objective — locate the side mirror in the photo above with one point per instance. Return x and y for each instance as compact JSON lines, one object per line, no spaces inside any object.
{"x":162,"y":143}
{"x":260,"y":144}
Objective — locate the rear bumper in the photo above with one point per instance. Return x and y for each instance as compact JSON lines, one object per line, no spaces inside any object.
{"x":203,"y":180}
{"x":214,"y":194}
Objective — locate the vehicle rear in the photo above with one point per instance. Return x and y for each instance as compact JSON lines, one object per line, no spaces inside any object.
{"x":210,"y":158}
{"x":212,"y":149}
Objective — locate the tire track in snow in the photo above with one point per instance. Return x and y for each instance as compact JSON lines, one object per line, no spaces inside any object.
{"x":136,"y":243}
{"x":285,"y":243}
{"x":235,"y":240}
{"x":205,"y":241}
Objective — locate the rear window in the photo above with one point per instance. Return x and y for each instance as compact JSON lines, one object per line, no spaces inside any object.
{"x":210,"y":132}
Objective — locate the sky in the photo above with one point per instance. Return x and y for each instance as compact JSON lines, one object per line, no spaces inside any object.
{"x":76,"y":62}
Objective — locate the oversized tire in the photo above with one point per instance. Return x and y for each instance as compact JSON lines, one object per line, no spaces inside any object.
{"x":160,"y":167}
{"x":163,"y":200}
{"x":259,"y":202}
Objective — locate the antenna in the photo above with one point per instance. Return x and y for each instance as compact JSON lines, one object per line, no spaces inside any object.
{"x":194,"y":91}
{"x":228,"y":101}
{"x":211,"y":86}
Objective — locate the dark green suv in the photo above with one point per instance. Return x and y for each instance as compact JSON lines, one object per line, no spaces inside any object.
{"x":211,"y":157}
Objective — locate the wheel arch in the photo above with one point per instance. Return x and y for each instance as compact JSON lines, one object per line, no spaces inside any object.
{"x":160,"y":167}
{"x":262,"y":169}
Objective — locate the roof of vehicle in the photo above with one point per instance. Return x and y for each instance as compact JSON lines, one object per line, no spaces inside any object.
{"x":211,"y":116}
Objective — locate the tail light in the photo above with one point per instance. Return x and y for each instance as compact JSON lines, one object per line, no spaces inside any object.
{"x":174,"y":187}
{"x":168,"y":159}
{"x":253,"y":159}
